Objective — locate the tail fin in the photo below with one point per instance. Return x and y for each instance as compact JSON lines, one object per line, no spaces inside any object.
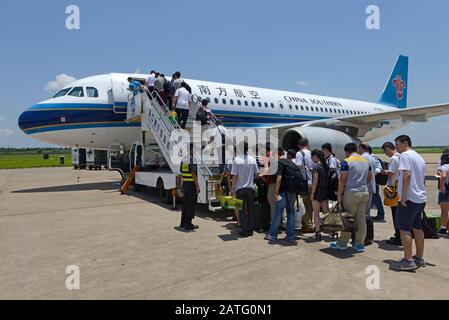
{"x":395,"y":92}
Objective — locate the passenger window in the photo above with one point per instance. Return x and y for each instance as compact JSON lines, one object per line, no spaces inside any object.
{"x":224,"y":101}
{"x":92,"y":92}
{"x":253,"y":104}
{"x":62,"y":93}
{"x":246,"y":103}
{"x":231,"y":102}
{"x":239,"y":102}
{"x":322,"y":110}
{"x":266,"y":105}
{"x":302,"y":108}
{"x":272,"y":105}
{"x":77,"y":92}
{"x":290,"y":106}
{"x":216,"y":100}
{"x":307,"y":108}
{"x":282,"y":106}
{"x":260,"y":104}
{"x":326,"y":109}
{"x":296,"y":107}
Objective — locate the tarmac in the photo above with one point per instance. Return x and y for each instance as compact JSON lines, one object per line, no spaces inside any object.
{"x":127,"y":247}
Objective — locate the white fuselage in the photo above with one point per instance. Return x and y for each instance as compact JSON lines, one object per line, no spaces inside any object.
{"x":96,"y":121}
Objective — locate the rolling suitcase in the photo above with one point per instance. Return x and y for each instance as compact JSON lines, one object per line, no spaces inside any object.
{"x":262,"y":216}
{"x":369,"y":233}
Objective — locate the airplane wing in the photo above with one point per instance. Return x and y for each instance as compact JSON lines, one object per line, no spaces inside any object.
{"x":375,"y":120}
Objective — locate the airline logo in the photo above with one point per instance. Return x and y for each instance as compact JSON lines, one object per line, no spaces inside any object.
{"x":400,"y":85}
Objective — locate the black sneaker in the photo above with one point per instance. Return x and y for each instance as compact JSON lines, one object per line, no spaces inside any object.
{"x":244,"y":235}
{"x":379,"y":219}
{"x":442,"y":232}
{"x":191,"y":227}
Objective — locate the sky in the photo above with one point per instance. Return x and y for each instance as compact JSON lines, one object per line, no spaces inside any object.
{"x":318,"y":47}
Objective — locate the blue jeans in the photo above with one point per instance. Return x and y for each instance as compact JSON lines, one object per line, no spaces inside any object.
{"x":287,"y":203}
{"x":377,"y":201}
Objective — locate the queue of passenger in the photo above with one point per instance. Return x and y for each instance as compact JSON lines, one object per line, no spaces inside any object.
{"x":351,"y":182}
{"x":176,"y":94}
{"x":318,"y":177}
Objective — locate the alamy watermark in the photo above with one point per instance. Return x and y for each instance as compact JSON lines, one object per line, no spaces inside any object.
{"x":373,"y":280}
{"x":73,"y":20}
{"x":72,"y":282}
{"x":373,"y":20}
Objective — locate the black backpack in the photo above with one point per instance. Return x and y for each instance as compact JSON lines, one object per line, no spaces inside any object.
{"x":201,"y":115}
{"x":382,"y":179}
{"x":293,"y":179}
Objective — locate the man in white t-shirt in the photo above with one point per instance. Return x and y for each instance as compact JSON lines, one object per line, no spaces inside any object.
{"x":392,"y":185}
{"x":220,"y":142}
{"x":305,"y":163}
{"x":181,"y":103}
{"x":150,"y":80}
{"x":413,"y":198}
{"x":244,"y":171}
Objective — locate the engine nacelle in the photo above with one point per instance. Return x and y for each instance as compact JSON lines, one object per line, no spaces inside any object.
{"x":317,"y":137}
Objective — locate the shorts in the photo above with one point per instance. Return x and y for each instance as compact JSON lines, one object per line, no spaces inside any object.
{"x":443,"y":198}
{"x":410,"y":217}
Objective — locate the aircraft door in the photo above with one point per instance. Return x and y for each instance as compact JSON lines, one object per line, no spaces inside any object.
{"x":119,"y":92}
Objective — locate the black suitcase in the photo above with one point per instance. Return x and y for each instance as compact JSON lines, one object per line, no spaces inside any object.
{"x":262,"y":216}
{"x":369,"y":233}
{"x":429,"y":228}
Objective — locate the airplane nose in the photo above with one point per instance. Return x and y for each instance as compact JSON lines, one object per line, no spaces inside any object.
{"x":24,"y":120}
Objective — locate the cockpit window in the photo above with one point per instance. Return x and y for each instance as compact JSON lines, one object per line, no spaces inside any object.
{"x":62,"y":93}
{"x":92,"y":92}
{"x":77,"y":92}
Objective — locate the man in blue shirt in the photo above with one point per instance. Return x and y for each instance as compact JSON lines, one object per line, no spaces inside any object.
{"x":355,"y":177}
{"x":133,"y":85}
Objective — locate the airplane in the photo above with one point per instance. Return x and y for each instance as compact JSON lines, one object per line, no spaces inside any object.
{"x":91,"y":112}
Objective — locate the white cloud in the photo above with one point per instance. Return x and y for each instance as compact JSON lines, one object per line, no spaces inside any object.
{"x":61,"y":81}
{"x":6,"y":132}
{"x":302,"y":83}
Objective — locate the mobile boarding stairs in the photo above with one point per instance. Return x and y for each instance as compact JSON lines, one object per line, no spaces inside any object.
{"x":173,"y":142}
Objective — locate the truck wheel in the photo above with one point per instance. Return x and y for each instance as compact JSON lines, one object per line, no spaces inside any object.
{"x":164,"y":195}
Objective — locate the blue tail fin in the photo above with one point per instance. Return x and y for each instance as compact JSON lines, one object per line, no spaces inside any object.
{"x":395,"y":92}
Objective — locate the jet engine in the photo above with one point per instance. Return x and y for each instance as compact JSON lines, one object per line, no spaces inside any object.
{"x":317,"y":137}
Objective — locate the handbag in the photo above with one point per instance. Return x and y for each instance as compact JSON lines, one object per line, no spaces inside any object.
{"x":391,"y":195}
{"x":333,"y":222}
{"x":349,"y":222}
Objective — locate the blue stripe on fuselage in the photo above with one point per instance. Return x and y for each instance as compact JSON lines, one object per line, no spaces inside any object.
{"x":47,"y":117}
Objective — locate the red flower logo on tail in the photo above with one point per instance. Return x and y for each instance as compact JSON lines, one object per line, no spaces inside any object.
{"x":400,"y":85}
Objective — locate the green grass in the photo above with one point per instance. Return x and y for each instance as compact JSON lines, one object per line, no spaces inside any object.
{"x":20,"y":161}
{"x":422,"y":150}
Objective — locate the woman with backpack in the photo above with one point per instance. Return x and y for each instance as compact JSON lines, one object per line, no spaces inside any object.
{"x":320,"y":189}
{"x":443,"y":196}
